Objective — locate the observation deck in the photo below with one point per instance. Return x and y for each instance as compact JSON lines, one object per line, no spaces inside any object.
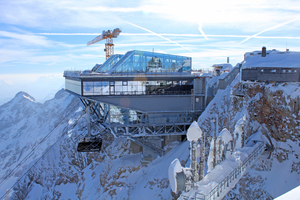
{"x":141,"y":93}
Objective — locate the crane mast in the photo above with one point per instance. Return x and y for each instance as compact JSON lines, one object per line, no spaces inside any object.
{"x":109,"y":45}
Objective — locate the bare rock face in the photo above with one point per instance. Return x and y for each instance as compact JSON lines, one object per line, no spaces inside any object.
{"x":276,"y":110}
{"x":273,"y":109}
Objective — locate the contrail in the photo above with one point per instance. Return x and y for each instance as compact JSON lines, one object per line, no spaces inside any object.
{"x":179,"y":35}
{"x":274,"y":27}
{"x":159,"y":36}
{"x":201,"y":30}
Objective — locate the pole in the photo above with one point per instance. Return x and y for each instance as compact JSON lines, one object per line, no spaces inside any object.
{"x":88,"y":121}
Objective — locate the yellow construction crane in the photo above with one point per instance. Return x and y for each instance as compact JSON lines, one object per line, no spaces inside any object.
{"x":108,"y":35}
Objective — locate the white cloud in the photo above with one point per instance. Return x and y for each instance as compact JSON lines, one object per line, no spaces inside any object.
{"x":29,"y":39}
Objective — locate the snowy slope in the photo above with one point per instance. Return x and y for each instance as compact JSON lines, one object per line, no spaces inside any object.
{"x":273,"y":110}
{"x":27,"y":128}
{"x":60,"y":172}
{"x":63,"y":173}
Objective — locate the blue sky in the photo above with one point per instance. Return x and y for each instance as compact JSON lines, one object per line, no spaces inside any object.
{"x":46,"y":37}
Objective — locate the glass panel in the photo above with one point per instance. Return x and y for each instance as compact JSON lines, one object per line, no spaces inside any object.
{"x":137,"y":58}
{"x":105,"y":88}
{"x":167,"y":66}
{"x":167,"y":58}
{"x":88,"y":88}
{"x":112,"y":90}
{"x":118,"y":87}
{"x":139,"y":61}
{"x":125,"y":89}
{"x":97,"y":88}
{"x":109,"y":63}
{"x":155,"y":64}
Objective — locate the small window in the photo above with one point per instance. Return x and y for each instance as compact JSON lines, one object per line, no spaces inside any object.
{"x":261,"y":70}
{"x":289,"y":71}
{"x":273,"y":70}
{"x":125,"y":83}
{"x":112,"y":83}
{"x":295,"y":71}
{"x":283,"y":71}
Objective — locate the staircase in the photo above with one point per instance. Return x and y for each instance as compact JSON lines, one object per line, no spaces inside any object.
{"x":229,"y":182}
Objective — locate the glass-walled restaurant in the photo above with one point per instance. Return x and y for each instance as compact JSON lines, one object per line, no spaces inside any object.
{"x":145,"y":62}
{"x":137,"y":87}
{"x":96,"y":81}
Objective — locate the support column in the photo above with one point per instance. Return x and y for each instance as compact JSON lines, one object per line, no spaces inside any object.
{"x":88,"y":121}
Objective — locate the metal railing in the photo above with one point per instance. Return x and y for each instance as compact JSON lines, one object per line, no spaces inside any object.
{"x":218,"y":191}
{"x":137,"y":74}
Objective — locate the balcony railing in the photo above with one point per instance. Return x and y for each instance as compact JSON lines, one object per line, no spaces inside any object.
{"x":220,"y":190}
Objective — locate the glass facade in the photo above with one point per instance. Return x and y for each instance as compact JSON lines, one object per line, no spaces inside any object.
{"x":96,"y":88}
{"x":137,"y":87}
{"x":146,"y":62}
{"x":109,"y":63}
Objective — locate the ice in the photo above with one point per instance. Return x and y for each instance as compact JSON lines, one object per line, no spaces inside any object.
{"x":225,"y":135}
{"x":293,"y":194}
{"x":210,"y":156}
{"x":238,"y":132}
{"x":194,"y":132}
{"x":174,"y":168}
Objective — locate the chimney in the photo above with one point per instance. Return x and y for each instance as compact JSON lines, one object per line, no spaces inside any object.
{"x":227,"y":59}
{"x":263,"y":52}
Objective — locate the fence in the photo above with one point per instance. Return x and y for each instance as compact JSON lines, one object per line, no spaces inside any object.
{"x":219,"y":191}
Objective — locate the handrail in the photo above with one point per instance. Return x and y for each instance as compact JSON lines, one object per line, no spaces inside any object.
{"x":234,"y":174}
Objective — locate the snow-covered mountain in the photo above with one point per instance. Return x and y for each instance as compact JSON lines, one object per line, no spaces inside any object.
{"x":28,"y":128}
{"x":42,"y":89}
{"x":50,"y":132}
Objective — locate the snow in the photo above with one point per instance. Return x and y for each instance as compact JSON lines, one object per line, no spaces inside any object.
{"x":194,"y":132}
{"x":238,"y":132}
{"x":115,"y":173}
{"x":225,"y":66}
{"x":67,"y":191}
{"x":210,"y":157}
{"x":27,"y":128}
{"x":37,"y":191}
{"x":221,"y":171}
{"x":225,"y":135}
{"x":293,"y":194}
{"x":174,"y":168}
{"x":274,"y":59}
{"x":213,"y":80}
